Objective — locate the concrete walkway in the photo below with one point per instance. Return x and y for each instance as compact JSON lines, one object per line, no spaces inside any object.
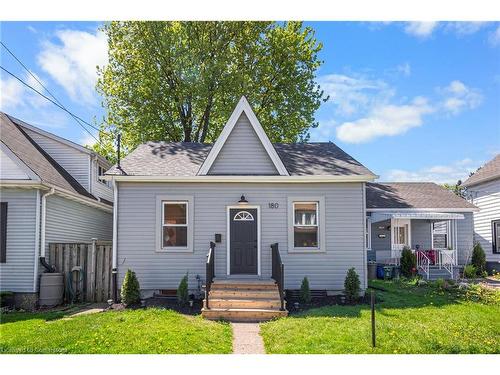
{"x":246,"y":339}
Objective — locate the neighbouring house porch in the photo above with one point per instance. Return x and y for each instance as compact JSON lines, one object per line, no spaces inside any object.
{"x":434,"y":237}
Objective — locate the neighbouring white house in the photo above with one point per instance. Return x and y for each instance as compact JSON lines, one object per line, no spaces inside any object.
{"x":50,"y":191}
{"x":483,"y":190}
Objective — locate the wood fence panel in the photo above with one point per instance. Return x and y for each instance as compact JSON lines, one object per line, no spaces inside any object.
{"x":93,"y":283}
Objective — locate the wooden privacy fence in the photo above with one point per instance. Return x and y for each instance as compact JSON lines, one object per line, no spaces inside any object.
{"x":93,"y":261}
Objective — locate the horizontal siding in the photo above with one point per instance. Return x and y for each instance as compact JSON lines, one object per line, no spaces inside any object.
{"x":161,"y":270}
{"x":465,"y":237}
{"x":71,"y":221}
{"x":243,"y":153}
{"x":487,"y":198}
{"x":74,"y":161}
{"x":421,"y":234}
{"x":381,"y":246}
{"x":9,"y":170}
{"x":16,"y":274}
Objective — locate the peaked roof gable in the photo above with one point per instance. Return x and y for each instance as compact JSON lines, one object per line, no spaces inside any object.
{"x":488,"y":172}
{"x":243,"y":107}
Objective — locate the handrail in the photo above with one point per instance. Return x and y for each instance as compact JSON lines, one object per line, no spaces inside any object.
{"x":210,"y":271}
{"x":278,"y":273}
{"x":423,"y":262}
{"x":447,"y":261}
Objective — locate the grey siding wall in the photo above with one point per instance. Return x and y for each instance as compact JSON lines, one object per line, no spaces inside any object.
{"x":71,"y":221}
{"x":487,"y":198}
{"x":243,"y":153}
{"x":465,"y":237}
{"x":421,"y":234}
{"x":9,"y":170}
{"x":16,"y":274}
{"x":74,"y":161}
{"x":163,"y":270}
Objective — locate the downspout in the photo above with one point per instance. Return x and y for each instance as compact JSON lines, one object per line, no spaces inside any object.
{"x":114,"y":270}
{"x":37,"y":240}
{"x":48,"y":267}
{"x":365,"y":252}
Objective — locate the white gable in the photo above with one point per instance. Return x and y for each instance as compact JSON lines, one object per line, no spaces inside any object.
{"x":243,"y":148}
{"x":11,"y":168}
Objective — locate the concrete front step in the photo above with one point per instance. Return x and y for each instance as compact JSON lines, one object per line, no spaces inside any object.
{"x":241,"y":303}
{"x":242,"y":315}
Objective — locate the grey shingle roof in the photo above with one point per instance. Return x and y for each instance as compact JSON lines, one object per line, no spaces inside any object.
{"x":412,"y":195}
{"x":183,"y":159}
{"x":489,"y":171}
{"x":36,"y":158}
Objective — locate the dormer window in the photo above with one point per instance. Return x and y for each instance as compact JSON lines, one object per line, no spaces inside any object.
{"x":100,"y":173}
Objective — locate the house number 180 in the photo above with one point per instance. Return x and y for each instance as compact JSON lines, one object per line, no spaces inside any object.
{"x":273,"y":205}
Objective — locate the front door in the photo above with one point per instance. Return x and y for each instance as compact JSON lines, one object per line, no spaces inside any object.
{"x":243,"y":241}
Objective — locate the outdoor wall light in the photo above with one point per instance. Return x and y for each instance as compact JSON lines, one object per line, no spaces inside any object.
{"x":242,"y":200}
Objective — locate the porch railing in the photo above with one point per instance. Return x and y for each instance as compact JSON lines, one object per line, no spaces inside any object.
{"x":447,"y":260}
{"x":278,"y":272}
{"x":423,"y":262}
{"x":210,"y":272}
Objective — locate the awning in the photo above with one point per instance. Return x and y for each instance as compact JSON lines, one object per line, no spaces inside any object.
{"x":381,"y":216}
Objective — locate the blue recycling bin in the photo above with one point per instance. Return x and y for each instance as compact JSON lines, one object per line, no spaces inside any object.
{"x":380,"y":271}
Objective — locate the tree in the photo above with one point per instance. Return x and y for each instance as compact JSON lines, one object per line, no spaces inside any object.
{"x":183,"y":291}
{"x":457,"y":189}
{"x":478,"y":259}
{"x":179,"y":81}
{"x":131,"y":291}
{"x":408,"y":262}
{"x":352,"y":285}
{"x":305,"y":292}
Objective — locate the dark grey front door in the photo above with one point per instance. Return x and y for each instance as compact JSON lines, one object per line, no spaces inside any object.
{"x":243,"y":240}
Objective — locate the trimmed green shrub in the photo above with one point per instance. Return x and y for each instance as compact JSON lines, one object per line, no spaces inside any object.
{"x":408,"y":262}
{"x":305,"y":292}
{"x":131,"y":291}
{"x":182,"y":291}
{"x":478,"y":259}
{"x":352,"y":285}
{"x":470,"y":271}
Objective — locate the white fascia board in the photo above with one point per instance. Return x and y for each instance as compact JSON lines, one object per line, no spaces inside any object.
{"x":454,"y":209}
{"x":32,"y":175}
{"x":244,"y":179}
{"x":243,"y":106}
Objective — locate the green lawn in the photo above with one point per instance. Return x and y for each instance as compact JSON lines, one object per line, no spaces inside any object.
{"x":410,"y":319}
{"x":130,"y":331}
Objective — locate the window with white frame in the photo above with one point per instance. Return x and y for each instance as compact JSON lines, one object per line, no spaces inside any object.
{"x":400,"y":233}
{"x":174,"y":224}
{"x":100,"y":172}
{"x":441,"y":234}
{"x":306,"y":227}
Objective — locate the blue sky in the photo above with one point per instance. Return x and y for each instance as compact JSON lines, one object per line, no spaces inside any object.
{"x":412,"y":101}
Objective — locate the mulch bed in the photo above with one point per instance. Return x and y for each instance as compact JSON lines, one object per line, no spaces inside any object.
{"x":322,"y":302}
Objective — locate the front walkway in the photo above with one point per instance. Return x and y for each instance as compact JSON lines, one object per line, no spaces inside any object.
{"x":247,"y":339}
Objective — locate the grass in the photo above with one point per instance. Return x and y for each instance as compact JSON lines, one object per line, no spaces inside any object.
{"x":409,"y":319}
{"x":130,"y":331}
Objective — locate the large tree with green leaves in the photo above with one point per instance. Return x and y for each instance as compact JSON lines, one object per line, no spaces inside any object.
{"x":179,"y":81}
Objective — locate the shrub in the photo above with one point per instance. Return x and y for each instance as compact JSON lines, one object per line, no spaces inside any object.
{"x":352,"y":285}
{"x":305,"y":292}
{"x":469,"y":271}
{"x":408,"y":262}
{"x":482,"y":294}
{"x":182,"y":291}
{"x":478,"y":259}
{"x":131,"y":291}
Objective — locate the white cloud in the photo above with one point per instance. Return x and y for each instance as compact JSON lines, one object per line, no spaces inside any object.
{"x":464,"y":28}
{"x":404,"y":69}
{"x":458,"y":96}
{"x":352,"y":94}
{"x":494,"y":38}
{"x":420,"y":29}
{"x":73,"y":61}
{"x":15,"y":95}
{"x":385,"y":120}
{"x":88,"y":140}
{"x":450,"y":174}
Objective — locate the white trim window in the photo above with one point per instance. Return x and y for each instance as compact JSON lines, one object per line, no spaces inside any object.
{"x":441,"y":234}
{"x":175,"y":224}
{"x":400,"y":233}
{"x":306,"y":225}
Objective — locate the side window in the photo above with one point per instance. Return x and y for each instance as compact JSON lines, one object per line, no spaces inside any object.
{"x":495,"y":232}
{"x":306,"y":224}
{"x":100,"y":172}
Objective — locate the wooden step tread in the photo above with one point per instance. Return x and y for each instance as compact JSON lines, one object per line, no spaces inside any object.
{"x":245,"y":310}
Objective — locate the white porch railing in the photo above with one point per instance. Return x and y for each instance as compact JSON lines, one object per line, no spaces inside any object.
{"x":447,"y":259}
{"x":423,"y":263}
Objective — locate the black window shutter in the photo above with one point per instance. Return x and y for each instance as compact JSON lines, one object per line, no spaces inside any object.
{"x":3,"y":232}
